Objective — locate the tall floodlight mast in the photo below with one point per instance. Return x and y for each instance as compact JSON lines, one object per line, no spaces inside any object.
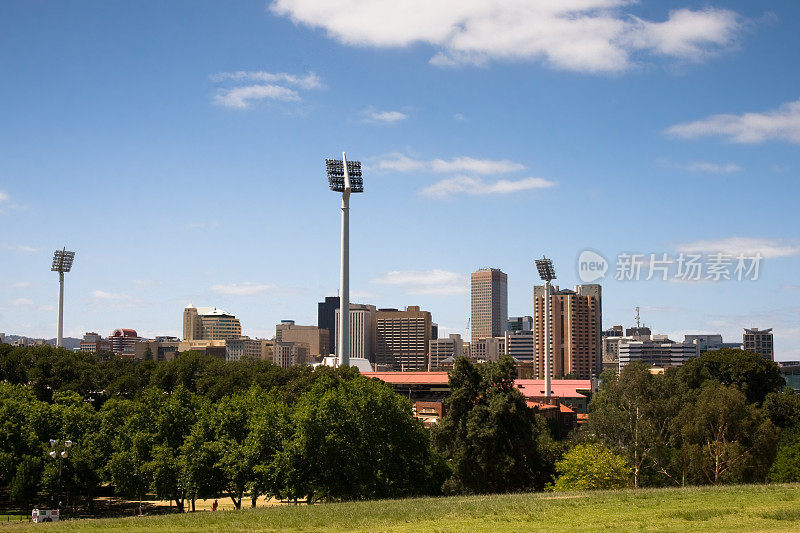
{"x":548,"y":274}
{"x":62,"y":262}
{"x":345,"y":177}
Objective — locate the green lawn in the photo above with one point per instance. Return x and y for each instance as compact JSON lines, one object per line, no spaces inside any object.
{"x":738,"y":508}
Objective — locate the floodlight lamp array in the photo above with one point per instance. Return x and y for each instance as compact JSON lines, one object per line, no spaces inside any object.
{"x":335,"y":169}
{"x":545,"y":268}
{"x":62,"y":261}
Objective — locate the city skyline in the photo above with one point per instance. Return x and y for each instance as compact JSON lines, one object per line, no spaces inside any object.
{"x":181,"y":176}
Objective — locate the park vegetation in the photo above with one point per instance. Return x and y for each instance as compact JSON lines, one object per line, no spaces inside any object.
{"x":199,"y":427}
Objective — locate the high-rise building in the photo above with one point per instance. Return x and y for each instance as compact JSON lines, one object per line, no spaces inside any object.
{"x":316,"y":338}
{"x":402,"y":338}
{"x":489,"y":299}
{"x":362,"y":331}
{"x":434,"y":331}
{"x":521,"y":345}
{"x":326,"y":319}
{"x":209,"y":323}
{"x":449,"y":348}
{"x":759,"y":341}
{"x":613,"y":331}
{"x":123,"y":341}
{"x":659,"y":353}
{"x":576,"y":318}
{"x":288,"y":353}
{"x":520,"y":323}
{"x":488,"y":349}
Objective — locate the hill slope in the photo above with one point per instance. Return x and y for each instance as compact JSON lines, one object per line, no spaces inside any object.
{"x":738,"y":508}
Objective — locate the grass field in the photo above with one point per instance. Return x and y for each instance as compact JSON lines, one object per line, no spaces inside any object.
{"x":738,"y":508}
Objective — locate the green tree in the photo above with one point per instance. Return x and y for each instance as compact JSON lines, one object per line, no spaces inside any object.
{"x":355,"y":439}
{"x":749,"y":372}
{"x":632,"y":412}
{"x":783,"y":408}
{"x":592,"y":466}
{"x":491,"y":439}
{"x":786,"y":467}
{"x":727,"y":438}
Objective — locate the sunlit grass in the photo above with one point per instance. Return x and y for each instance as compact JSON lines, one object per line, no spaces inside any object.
{"x":736,"y":508}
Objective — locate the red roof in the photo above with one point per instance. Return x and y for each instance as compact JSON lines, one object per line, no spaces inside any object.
{"x":560,"y":388}
{"x":410,"y":378}
{"x":122,"y":332}
{"x":531,"y":388}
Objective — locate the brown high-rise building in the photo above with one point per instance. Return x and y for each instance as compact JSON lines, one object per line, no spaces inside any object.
{"x":403,"y":338}
{"x":575,"y":325}
{"x":489,"y":304}
{"x":759,"y":341}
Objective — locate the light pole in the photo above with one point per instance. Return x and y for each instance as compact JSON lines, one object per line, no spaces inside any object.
{"x":58,"y":450}
{"x":548,"y":274}
{"x":345,"y":177}
{"x":62,"y":262}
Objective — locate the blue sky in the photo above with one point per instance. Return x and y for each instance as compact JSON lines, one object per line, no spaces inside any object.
{"x":178,"y":148}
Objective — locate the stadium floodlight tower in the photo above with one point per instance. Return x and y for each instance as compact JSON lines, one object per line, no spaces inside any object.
{"x":548,"y":274}
{"x":345,"y":177}
{"x":62,"y":262}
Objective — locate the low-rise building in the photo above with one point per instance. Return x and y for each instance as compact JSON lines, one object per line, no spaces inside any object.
{"x":441,"y":349}
{"x":288,"y":353}
{"x":656,"y":352}
{"x":707,"y":342}
{"x":521,"y":345}
{"x":316,"y":338}
{"x":93,"y":342}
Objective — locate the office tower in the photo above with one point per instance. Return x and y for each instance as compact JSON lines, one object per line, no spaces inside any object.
{"x":489,"y":304}
{"x":362,"y":331}
{"x":759,"y":341}
{"x":315,"y":338}
{"x":161,"y":349}
{"x":402,"y":338}
{"x":93,"y":342}
{"x":638,"y":331}
{"x":707,"y":342}
{"x":209,"y":323}
{"x":434,"y":331}
{"x":658,"y":353}
{"x":576,"y":318}
{"x":441,"y":349}
{"x":288,"y":353}
{"x":326,"y":319}
{"x":520,"y":323}
{"x":613,"y":331}
{"x":488,"y":349}
{"x":521,"y":345}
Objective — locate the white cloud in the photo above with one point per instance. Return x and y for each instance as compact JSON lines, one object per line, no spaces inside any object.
{"x":103,"y":295}
{"x":385,"y":117}
{"x":21,"y":302}
{"x":247,"y":86}
{"x":21,"y":285}
{"x":242,"y":97}
{"x":769,"y":248}
{"x":242,"y":289}
{"x":403,"y":163}
{"x":579,"y":35}
{"x":26,"y":248}
{"x":713,"y":168}
{"x":476,"y":186}
{"x":4,"y":197}
{"x":781,"y":124}
{"x":434,"y":281}
{"x":459,"y":117}
{"x":308,"y":81}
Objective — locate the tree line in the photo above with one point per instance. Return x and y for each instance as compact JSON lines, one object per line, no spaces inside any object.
{"x":199,"y":427}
